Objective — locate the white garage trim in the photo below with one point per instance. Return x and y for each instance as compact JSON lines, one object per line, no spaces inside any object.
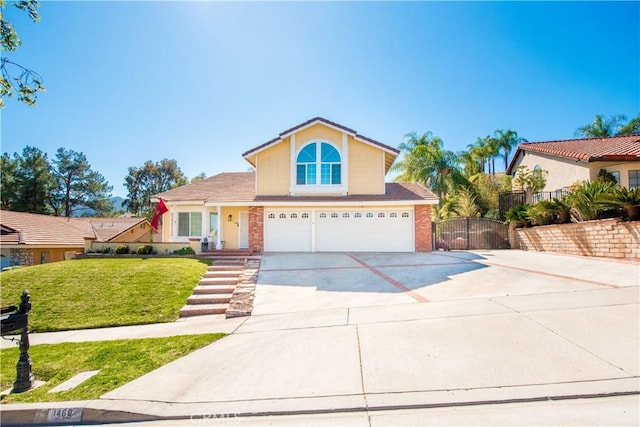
{"x":340,"y":230}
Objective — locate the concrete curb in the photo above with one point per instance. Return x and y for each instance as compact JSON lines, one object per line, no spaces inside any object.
{"x":121,"y":411}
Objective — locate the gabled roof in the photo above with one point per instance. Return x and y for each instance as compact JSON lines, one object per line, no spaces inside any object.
{"x":615,"y":148}
{"x":47,"y":230}
{"x":326,"y":122}
{"x":226,"y":187}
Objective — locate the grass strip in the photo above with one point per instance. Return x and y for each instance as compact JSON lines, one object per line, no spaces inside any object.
{"x":95,"y":293}
{"x":119,"y":362}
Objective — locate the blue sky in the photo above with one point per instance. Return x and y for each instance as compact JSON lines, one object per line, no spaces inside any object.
{"x":202,"y":82}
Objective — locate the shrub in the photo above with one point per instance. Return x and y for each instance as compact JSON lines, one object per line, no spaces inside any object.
{"x":106,"y":250}
{"x":144,"y":250}
{"x":187,"y":250}
{"x":586,"y":200}
{"x":629,"y":200}
{"x":122,"y":249}
{"x":518,"y":214}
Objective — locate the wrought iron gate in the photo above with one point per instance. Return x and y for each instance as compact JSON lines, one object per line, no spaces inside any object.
{"x":470,"y":233}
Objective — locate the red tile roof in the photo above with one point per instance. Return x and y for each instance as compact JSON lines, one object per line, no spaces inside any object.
{"x":325,"y":121}
{"x":240,"y":187}
{"x":47,"y":230}
{"x":615,"y":148}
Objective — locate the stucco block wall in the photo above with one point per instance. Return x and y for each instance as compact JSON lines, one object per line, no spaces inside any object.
{"x":611,"y":238}
{"x":423,"y":230}
{"x":256,"y":229}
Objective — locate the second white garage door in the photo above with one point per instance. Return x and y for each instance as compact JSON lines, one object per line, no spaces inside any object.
{"x":339,"y":230}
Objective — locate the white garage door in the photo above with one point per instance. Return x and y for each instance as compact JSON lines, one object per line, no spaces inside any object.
{"x":339,"y":230}
{"x":287,"y":231}
{"x":364,"y":231}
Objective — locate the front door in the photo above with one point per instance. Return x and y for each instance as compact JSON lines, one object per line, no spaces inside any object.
{"x":243,"y":230}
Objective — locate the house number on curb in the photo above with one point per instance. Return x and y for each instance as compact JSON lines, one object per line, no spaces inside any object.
{"x":65,"y":415}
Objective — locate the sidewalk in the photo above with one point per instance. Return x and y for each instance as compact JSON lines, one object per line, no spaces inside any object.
{"x":501,"y":349}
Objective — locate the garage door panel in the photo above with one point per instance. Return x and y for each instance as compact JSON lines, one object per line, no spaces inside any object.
{"x":287,"y":231}
{"x":364,"y":231}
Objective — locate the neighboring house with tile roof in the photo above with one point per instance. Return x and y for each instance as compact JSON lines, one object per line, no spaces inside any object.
{"x":30,"y":239}
{"x":575,"y":160}
{"x":317,"y":187}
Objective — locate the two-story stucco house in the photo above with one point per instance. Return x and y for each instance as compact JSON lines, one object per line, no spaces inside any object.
{"x":574,"y":160}
{"x":317,"y":187}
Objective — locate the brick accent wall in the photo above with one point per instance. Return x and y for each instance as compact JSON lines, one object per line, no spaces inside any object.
{"x":611,"y":238}
{"x":256,"y":229}
{"x":424,"y":234}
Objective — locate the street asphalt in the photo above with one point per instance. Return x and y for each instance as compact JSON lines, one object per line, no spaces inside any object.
{"x":448,"y":338}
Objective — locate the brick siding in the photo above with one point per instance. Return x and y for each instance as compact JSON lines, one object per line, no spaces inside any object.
{"x":424,"y":237}
{"x":611,"y":238}
{"x":256,"y":229}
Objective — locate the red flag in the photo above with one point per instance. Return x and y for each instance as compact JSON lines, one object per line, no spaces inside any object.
{"x":160,"y":210}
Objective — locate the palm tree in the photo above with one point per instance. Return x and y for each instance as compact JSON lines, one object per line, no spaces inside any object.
{"x":482,"y":150}
{"x":506,"y":141}
{"x":470,"y":164}
{"x":631,"y":128}
{"x":602,"y":126}
{"x":426,"y":161}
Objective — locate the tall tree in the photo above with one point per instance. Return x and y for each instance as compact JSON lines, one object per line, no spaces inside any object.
{"x":602,"y":126}
{"x":78,"y":186}
{"x":506,"y":141}
{"x":14,"y":78}
{"x":34,"y":182}
{"x":151,"y":178}
{"x":8,"y":171}
{"x":426,"y":161}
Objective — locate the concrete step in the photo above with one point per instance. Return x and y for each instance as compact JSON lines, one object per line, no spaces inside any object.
{"x":223,"y":273}
{"x":199,"y":299}
{"x":222,"y":267}
{"x":203,"y":309}
{"x":213,"y":289}
{"x":219,"y":281}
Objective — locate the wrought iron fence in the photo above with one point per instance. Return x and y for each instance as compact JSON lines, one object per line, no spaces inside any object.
{"x":471,"y":233}
{"x":509,"y":199}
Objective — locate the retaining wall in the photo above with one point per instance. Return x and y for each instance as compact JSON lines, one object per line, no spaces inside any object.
{"x":611,"y":238}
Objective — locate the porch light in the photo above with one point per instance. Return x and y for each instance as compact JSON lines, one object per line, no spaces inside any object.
{"x":230,"y":218}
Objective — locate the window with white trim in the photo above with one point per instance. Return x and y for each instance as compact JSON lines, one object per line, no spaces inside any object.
{"x":189,"y":224}
{"x":318,"y":163}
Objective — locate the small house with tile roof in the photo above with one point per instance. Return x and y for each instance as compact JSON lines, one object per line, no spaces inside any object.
{"x":574,"y":160}
{"x":30,"y":239}
{"x":316,"y":187}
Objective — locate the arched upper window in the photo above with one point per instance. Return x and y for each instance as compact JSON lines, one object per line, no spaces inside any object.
{"x":318,"y":162}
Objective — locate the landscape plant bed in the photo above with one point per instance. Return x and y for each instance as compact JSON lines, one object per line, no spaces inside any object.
{"x":94,"y":293}
{"x":118,"y":362}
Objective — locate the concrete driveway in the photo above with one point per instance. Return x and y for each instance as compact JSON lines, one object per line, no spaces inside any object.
{"x":372,"y":332}
{"x":291,"y":282}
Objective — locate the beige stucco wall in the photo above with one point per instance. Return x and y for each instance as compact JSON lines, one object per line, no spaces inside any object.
{"x":562,"y":173}
{"x":318,"y":131}
{"x":366,"y":169}
{"x":273,"y":169}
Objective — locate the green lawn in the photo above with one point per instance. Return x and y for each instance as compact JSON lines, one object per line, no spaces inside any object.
{"x":119,"y":362}
{"x":93,"y":293}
